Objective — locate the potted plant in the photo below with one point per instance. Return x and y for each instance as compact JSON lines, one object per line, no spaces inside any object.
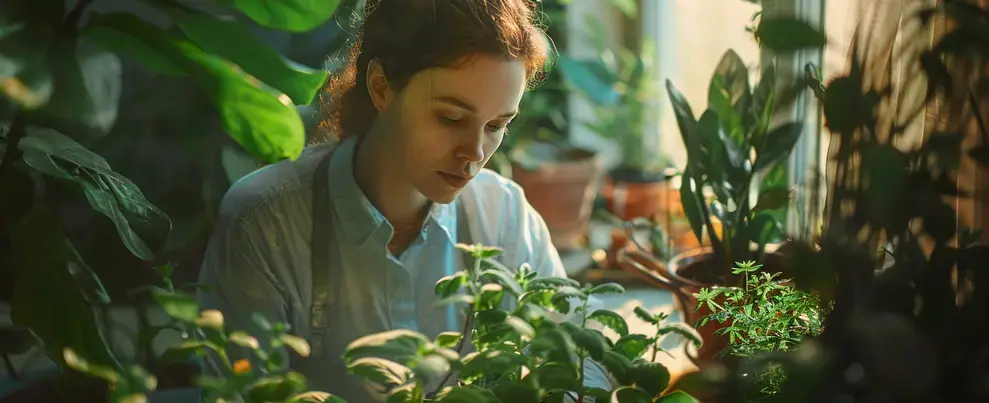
{"x":559,"y":177}
{"x":621,"y":87}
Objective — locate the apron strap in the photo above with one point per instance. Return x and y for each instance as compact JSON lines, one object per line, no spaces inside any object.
{"x":322,"y":276}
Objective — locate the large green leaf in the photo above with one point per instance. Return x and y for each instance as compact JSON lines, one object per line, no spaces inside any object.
{"x":399,"y":345}
{"x":686,"y":122}
{"x":288,"y":15}
{"x":691,"y":200}
{"x":612,"y":320}
{"x":137,"y":221}
{"x":729,"y":94}
{"x":87,"y":86}
{"x":778,"y":144}
{"x":54,"y":282}
{"x":265,"y":126}
{"x":231,"y":40}
{"x":786,"y":34}
{"x":763,"y":102}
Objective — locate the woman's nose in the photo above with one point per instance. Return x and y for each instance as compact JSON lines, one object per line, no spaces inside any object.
{"x":472,"y":148}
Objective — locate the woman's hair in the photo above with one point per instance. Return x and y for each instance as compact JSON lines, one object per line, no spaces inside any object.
{"x":408,"y":36}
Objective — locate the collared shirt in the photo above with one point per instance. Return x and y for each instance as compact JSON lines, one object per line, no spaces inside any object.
{"x":259,"y":256}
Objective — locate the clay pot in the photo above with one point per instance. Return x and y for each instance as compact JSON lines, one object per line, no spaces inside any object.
{"x":562,"y":190}
{"x":631,"y":194}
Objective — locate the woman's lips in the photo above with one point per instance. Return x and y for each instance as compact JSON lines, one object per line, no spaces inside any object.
{"x":456,"y":181}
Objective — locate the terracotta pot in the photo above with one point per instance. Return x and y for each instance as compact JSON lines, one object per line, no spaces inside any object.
{"x":563,"y":194}
{"x":634,"y":199}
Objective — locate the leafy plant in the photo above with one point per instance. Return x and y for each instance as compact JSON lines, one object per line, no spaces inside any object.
{"x":60,"y":77}
{"x":766,"y":315}
{"x":254,"y":379}
{"x":531,"y":338}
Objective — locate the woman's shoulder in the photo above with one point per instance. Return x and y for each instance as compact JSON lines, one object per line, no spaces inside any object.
{"x":283,"y":181}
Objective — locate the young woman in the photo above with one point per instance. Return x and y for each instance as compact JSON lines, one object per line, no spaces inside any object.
{"x":349,"y":239}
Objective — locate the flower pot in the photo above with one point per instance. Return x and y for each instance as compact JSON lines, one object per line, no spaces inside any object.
{"x":633,"y":194}
{"x":562,"y":190}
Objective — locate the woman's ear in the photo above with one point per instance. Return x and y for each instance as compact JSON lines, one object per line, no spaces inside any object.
{"x":377,"y":85}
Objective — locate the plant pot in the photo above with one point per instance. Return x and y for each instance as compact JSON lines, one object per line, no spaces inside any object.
{"x":631,"y":194}
{"x":562,"y":190}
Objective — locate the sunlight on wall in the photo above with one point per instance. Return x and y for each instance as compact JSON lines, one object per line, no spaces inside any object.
{"x":702,"y":31}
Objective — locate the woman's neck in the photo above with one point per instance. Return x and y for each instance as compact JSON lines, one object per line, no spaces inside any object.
{"x":380,"y":178}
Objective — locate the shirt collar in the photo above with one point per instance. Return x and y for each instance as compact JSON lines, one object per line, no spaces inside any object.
{"x":363,"y":222}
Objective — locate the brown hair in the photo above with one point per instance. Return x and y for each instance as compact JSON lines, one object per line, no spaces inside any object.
{"x":409,"y":36}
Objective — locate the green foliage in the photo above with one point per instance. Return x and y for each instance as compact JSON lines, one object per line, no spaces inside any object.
{"x":767,"y":315}
{"x":60,"y":75}
{"x":527,"y":344}
{"x":241,"y":380}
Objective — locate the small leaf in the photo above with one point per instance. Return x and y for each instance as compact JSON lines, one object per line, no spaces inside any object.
{"x":297,"y":344}
{"x":645,"y":315}
{"x":185,"y":349}
{"x":607,"y":288}
{"x":399,"y":345}
{"x":551,"y":283}
{"x":450,"y":285}
{"x":632,"y":346}
{"x":612,"y":320}
{"x":784,"y":35}
{"x":448,"y":339}
{"x":504,"y":279}
{"x":244,"y":340}
{"x":178,"y":306}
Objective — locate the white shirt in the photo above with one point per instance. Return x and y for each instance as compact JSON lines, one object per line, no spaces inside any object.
{"x":258,"y":259}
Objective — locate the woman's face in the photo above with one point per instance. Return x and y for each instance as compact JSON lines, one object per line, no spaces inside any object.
{"x":447,"y":122}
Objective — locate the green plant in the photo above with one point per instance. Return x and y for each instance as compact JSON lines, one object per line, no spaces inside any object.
{"x":253,"y":379}
{"x":766,"y":315}
{"x":531,"y":352}
{"x":61,"y":80}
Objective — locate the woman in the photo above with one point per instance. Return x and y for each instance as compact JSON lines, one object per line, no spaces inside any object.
{"x":349,"y":239}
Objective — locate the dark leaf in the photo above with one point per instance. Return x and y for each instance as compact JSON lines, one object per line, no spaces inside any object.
{"x":231,"y":40}
{"x":450,"y":285}
{"x":516,"y":392}
{"x":652,"y":377}
{"x":783,"y":35}
{"x":645,"y":315}
{"x":287,"y":15}
{"x":630,"y":394}
{"x":557,"y":377}
{"x":691,"y":200}
{"x":54,"y":282}
{"x":772,"y":199}
{"x":491,"y":362}
{"x":276,"y":388}
{"x":109,"y":193}
{"x":632,"y":346}
{"x":618,"y":366}
{"x":778,"y":145}
{"x":468,"y":395}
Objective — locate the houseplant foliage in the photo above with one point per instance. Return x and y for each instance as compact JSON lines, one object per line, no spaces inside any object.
{"x":60,"y":76}
{"x":531,"y":351}
{"x":766,"y":315}
{"x":907,"y":324}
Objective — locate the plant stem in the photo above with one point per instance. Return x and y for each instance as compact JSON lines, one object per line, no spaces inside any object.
{"x":14,"y":136}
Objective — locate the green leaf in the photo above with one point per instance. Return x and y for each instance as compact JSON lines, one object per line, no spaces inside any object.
{"x":764,"y":228}
{"x":287,"y":15}
{"x":276,"y":388}
{"x":729,"y":95}
{"x":87,"y":87}
{"x":678,"y":397}
{"x":491,"y":362}
{"x":430,"y":369}
{"x":652,"y":377}
{"x":779,"y":142}
{"x":380,"y":371}
{"x":591,"y":341}
{"x":691,"y":202}
{"x":448,"y":339}
{"x":179,"y":306}
{"x":450,"y":285}
{"x":108,"y":192}
{"x":267,"y":128}
{"x":632,"y":346}
{"x":607,"y":288}
{"x":185,"y":349}
{"x":112,"y":40}
{"x":490,"y":296}
{"x":54,"y":282}
{"x":399,"y":345}
{"x":772,"y":199}
{"x":783,"y":34}
{"x":645,"y":315}
{"x":72,"y":360}
{"x":231,"y":40}
{"x":520,"y":326}
{"x":315,"y":397}
{"x":556,"y":376}
{"x":551,"y":283}
{"x":763,"y":104}
{"x":516,"y":392}
{"x":630,"y":394}
{"x":504,"y":279}
{"x":685,"y":121}
{"x":468,"y":394}
{"x":682,"y":330}
{"x":618,"y":366}
{"x":612,"y":320}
